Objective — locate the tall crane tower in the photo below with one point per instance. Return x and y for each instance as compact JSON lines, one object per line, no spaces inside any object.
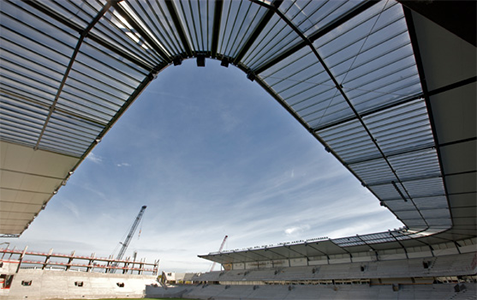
{"x":220,"y":249}
{"x":125,"y":244}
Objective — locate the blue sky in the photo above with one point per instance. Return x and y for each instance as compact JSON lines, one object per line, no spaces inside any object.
{"x":211,"y":154}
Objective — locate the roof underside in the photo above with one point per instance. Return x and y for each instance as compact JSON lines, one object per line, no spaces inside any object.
{"x":388,"y":93}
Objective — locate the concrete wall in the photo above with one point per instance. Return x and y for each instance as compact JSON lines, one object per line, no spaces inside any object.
{"x":8,"y":267}
{"x":75,"y":285}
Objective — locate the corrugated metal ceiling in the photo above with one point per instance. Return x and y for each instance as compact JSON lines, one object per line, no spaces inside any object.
{"x":347,"y":70}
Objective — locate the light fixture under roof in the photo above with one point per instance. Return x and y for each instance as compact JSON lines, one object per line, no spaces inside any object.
{"x":201,"y":60}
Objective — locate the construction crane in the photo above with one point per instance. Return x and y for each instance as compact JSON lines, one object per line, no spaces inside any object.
{"x":125,"y":244}
{"x":220,"y":249}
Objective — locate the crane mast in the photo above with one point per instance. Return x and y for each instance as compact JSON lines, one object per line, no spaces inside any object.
{"x":220,"y":249}
{"x":126,"y":242}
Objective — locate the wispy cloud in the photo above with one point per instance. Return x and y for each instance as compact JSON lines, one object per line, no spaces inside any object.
{"x":94,"y":158}
{"x":71,"y":207}
{"x":124,"y":164}
{"x":296,"y":229}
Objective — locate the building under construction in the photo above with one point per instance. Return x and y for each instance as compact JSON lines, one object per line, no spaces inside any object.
{"x":35,"y":275}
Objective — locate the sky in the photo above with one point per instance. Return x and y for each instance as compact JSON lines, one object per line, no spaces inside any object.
{"x":211,"y":154}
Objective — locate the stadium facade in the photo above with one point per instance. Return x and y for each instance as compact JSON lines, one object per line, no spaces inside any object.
{"x":388,"y":88}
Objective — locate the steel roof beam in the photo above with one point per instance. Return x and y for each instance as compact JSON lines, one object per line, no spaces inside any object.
{"x":402,"y":101}
{"x":53,"y":14}
{"x":404,"y":181}
{"x":452,"y":86}
{"x":331,"y":26}
{"x":323,"y":253}
{"x":293,"y":250}
{"x":422,"y":77}
{"x":180,"y":30}
{"x":9,"y":235}
{"x":457,"y":142}
{"x":371,"y":111}
{"x":392,"y":233}
{"x":216,"y":27}
{"x":460,"y":173}
{"x":255,"y":252}
{"x":31,"y":174}
{"x":364,"y":243}
{"x":270,"y":250}
{"x":258,"y":29}
{"x":118,"y":51}
{"x":144,"y":34}
{"x":37,"y":5}
{"x":344,"y":249}
{"x":404,"y":151}
{"x":431,"y":196}
{"x":69,"y":67}
{"x":222,"y":257}
{"x":235,"y":253}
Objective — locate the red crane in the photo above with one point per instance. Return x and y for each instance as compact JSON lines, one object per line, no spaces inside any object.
{"x":220,"y":249}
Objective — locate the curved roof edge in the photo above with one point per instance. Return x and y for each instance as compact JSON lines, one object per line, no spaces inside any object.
{"x":389,"y":93}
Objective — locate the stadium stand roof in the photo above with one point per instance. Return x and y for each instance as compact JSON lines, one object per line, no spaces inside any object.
{"x":387,"y":87}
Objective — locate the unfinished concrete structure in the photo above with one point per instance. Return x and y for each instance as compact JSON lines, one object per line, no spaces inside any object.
{"x":34,"y":275}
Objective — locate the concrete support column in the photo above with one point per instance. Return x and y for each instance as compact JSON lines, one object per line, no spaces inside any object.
{"x":70,"y":260}
{"x":21,"y":258}
{"x":47,"y":259}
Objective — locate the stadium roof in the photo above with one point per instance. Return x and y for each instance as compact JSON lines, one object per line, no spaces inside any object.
{"x":388,"y":92}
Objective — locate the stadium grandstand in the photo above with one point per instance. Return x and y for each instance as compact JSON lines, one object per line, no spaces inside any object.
{"x":387,"y":87}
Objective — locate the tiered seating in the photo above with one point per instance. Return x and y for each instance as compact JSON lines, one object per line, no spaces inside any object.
{"x":338,"y":271}
{"x":275,"y":292}
{"x":233,"y":275}
{"x":157,"y":291}
{"x":450,"y":265}
{"x":313,"y":292}
{"x":321,"y":291}
{"x":385,"y":279}
{"x":453,"y":265}
{"x":204,"y":291}
{"x":256,"y":275}
{"x":393,"y":268}
{"x":236,"y":292}
{"x":210,"y":276}
{"x":295,"y":273}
